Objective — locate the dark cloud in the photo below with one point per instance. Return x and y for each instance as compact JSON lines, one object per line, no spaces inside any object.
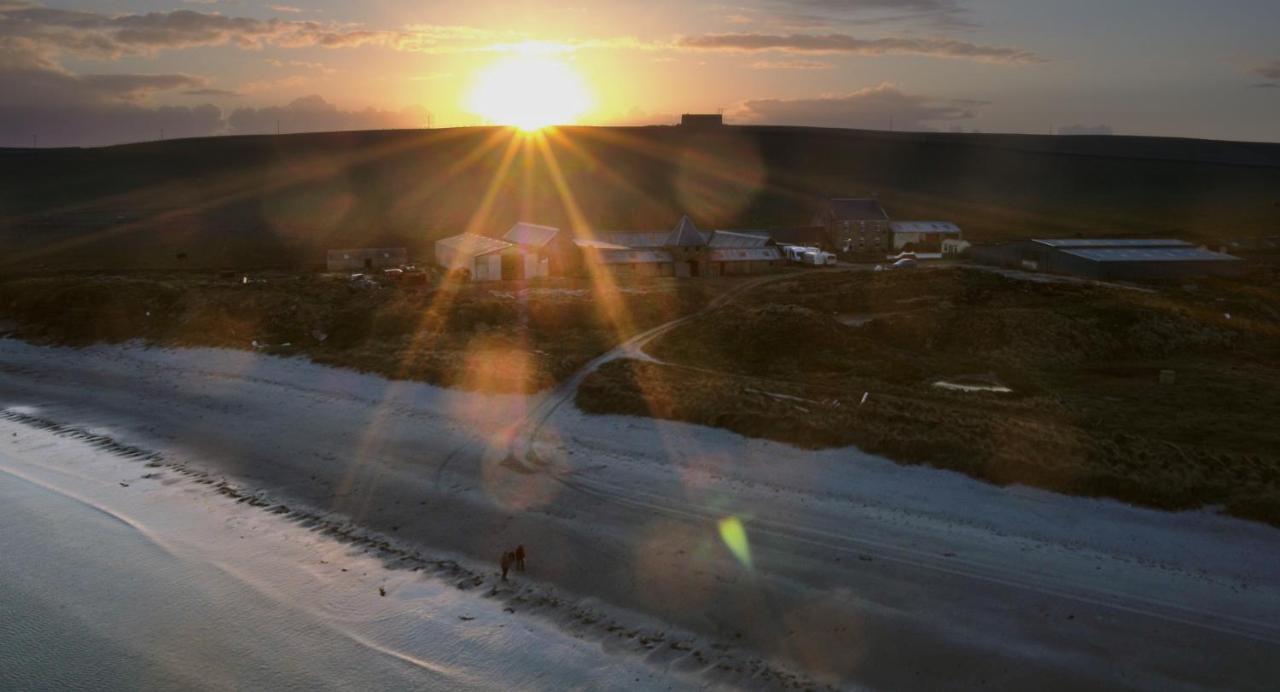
{"x":314,"y":114}
{"x":947,"y":13}
{"x":844,"y":43}
{"x":1270,"y":70}
{"x":210,"y":92}
{"x":875,"y":108}
{"x":46,"y":31}
{"x":790,"y":65}
{"x":1086,"y":130}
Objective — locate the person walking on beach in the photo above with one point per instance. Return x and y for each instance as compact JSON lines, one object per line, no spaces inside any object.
{"x":520,"y":558}
{"x":507,"y":559}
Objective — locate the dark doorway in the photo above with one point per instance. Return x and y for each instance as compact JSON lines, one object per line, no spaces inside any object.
{"x":368,"y":263}
{"x":693,"y":268}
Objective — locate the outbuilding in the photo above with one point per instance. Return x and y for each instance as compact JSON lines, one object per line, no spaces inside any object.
{"x":477,"y":257}
{"x":922,"y":236}
{"x":1111,"y":258}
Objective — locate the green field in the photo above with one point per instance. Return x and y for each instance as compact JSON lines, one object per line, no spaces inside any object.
{"x":1087,"y":414}
{"x":256,"y":202}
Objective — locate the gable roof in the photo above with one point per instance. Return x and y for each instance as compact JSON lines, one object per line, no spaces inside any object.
{"x":531,"y":234}
{"x":635,"y":238}
{"x":472,"y":244}
{"x":685,"y":235}
{"x":857,"y":209}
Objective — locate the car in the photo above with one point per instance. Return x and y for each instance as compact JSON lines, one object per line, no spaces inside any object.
{"x":904,"y":263}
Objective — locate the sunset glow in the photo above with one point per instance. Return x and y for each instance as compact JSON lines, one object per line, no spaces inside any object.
{"x":529,"y":90}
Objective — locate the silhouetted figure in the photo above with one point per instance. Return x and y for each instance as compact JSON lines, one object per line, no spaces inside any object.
{"x":507,"y":559}
{"x":520,"y":558}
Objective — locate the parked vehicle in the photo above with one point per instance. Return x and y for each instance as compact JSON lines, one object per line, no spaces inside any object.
{"x":808,"y":256}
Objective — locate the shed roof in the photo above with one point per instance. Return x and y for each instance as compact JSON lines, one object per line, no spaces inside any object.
{"x":589,"y":243}
{"x":737,"y":239}
{"x":473,"y":244}
{"x":857,"y":209}
{"x":1111,"y":242}
{"x":686,"y":235}
{"x":745,"y":254}
{"x":531,"y":234}
{"x":1152,"y":254}
{"x":635,"y":238}
{"x":923,"y":227}
{"x":634,"y":256}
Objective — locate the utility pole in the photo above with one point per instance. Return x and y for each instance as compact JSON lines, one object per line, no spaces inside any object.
{"x":277,"y":126}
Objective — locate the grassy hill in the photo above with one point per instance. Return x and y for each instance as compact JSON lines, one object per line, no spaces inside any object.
{"x":281,"y":201}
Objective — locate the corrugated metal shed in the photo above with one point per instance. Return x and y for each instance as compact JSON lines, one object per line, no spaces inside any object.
{"x":1111,"y":242}
{"x":745,"y":254}
{"x":635,"y":238}
{"x":1156,"y":254}
{"x":531,"y":234}
{"x":634,"y":256}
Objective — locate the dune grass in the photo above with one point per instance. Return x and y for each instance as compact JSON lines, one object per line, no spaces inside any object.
{"x":1088,"y":413}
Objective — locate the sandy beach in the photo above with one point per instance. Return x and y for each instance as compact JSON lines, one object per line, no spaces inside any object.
{"x":856,"y":570}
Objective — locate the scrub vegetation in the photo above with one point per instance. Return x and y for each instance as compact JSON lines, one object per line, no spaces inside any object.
{"x":494,"y":337}
{"x":1165,"y":398}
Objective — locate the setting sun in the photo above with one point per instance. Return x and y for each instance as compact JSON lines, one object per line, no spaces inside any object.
{"x":529,"y":91}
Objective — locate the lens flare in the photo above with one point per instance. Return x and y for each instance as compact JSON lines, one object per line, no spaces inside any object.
{"x":734,"y":536}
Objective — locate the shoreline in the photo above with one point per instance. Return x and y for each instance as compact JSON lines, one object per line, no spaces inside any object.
{"x":864,"y":572}
{"x":634,"y":642}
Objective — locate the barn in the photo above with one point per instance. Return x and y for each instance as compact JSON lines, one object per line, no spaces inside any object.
{"x":1111,"y":258}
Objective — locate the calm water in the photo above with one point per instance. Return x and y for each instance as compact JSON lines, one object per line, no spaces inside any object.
{"x":89,"y":602}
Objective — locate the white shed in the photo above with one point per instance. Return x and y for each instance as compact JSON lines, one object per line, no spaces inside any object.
{"x":479,"y":256}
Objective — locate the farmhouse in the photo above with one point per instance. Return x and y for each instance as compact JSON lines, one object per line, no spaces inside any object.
{"x":921,"y":236}
{"x":858,"y":226}
{"x":683,"y":251}
{"x":360,"y":259}
{"x":1111,"y":258}
{"x":537,"y":251}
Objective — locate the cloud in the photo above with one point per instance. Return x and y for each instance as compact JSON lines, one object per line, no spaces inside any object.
{"x":844,"y":43}
{"x":48,"y":31}
{"x":1269,"y":70}
{"x":1264,"y":85}
{"x":314,"y":114}
{"x":790,"y":65}
{"x":942,"y":13}
{"x":288,"y":9}
{"x":1086,"y":130}
{"x":876,"y":108}
{"x":210,"y":92}
{"x":70,"y":110}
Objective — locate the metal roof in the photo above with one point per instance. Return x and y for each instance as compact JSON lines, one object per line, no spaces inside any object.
{"x":635,"y":238}
{"x":736,"y":239}
{"x":686,"y":235}
{"x":1111,"y":242}
{"x":634,"y":256}
{"x":473,"y":244}
{"x":1156,"y":254}
{"x":588,"y":243}
{"x":530,"y":234}
{"x":923,"y":227}
{"x":745,"y":254}
{"x":857,"y":209}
